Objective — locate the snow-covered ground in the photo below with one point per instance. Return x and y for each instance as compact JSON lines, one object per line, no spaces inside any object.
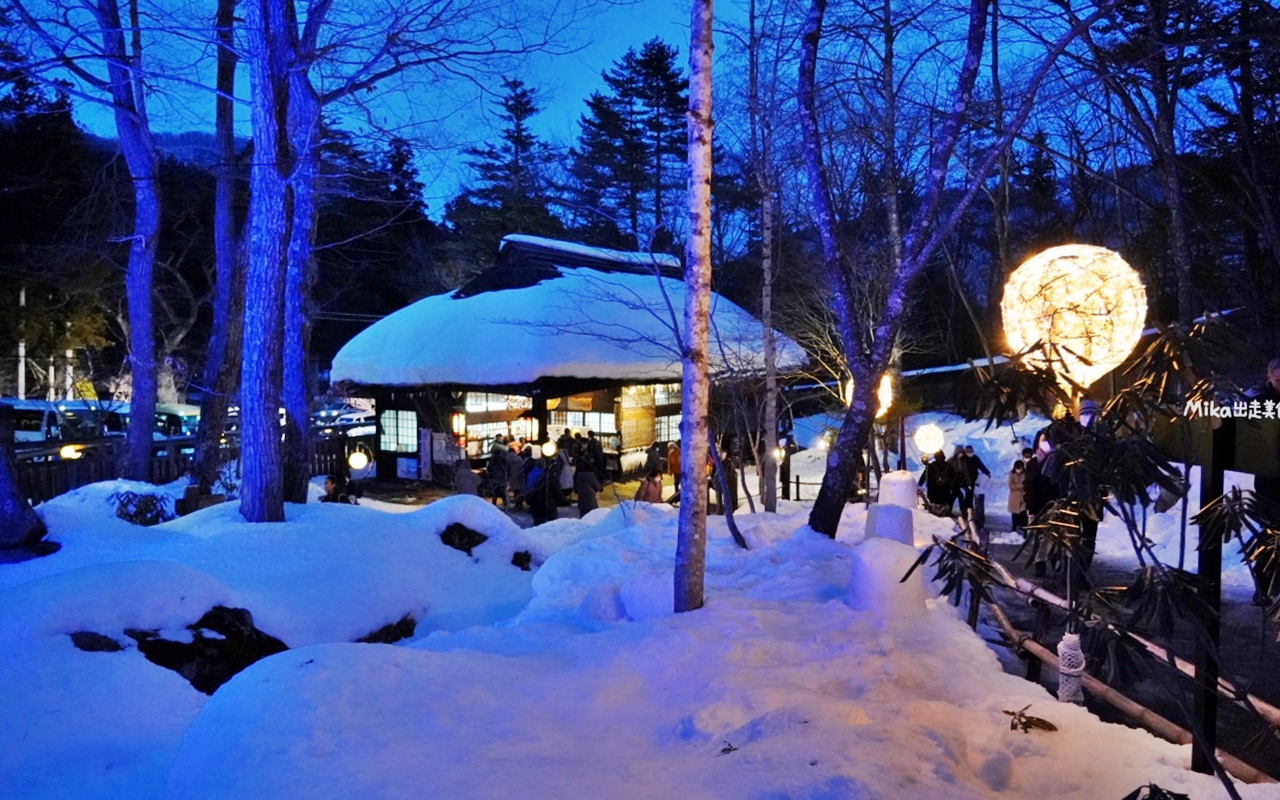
{"x":570,"y":680}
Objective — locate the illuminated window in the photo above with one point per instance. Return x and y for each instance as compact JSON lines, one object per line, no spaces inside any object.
{"x":480,"y":401}
{"x":399,"y":431}
{"x":637,"y":397}
{"x":666,"y":394}
{"x":667,"y":429}
{"x":583,"y":421}
{"x":480,"y":437}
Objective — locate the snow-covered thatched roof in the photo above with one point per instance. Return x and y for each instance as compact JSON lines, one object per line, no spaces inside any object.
{"x":548,"y":316}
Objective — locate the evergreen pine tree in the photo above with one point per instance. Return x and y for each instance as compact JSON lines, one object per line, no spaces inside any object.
{"x":511,"y":193}
{"x":628,"y":168}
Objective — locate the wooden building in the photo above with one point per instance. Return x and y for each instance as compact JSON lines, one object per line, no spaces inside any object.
{"x":556,"y":336}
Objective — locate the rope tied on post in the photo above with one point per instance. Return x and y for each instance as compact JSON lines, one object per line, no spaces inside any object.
{"x":1071,"y":665}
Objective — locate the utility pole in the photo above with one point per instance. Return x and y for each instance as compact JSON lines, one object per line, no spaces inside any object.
{"x":71,"y":355}
{"x":22,"y":343}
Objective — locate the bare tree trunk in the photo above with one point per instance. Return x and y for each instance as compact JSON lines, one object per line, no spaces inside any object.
{"x":761,"y":154}
{"x":841,"y":459}
{"x":270,"y":212}
{"x":128,"y":101}
{"x":304,"y":132}
{"x":223,"y":358}
{"x":692,"y":542}
{"x":1165,"y":158}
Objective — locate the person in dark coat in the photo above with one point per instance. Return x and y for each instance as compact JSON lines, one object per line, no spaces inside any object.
{"x":962,"y":484}
{"x":594,"y":453}
{"x":586,"y":483}
{"x":335,"y":490}
{"x":973,"y":465}
{"x":466,"y":481}
{"x":653,"y":457}
{"x":937,"y":481}
{"x":1040,"y":490}
{"x":1088,"y":416}
{"x":673,"y":468}
{"x":542,"y":489}
{"x":515,"y":476}
{"x":1265,"y":487}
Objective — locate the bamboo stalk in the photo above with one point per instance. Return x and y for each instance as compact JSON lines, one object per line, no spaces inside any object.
{"x":1138,"y":712}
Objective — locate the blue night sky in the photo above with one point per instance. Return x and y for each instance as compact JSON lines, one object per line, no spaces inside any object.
{"x":441,"y":122}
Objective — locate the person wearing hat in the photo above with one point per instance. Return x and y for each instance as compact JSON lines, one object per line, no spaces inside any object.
{"x":1089,"y":411}
{"x":1087,"y":415}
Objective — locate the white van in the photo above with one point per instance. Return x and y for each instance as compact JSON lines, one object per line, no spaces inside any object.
{"x":33,"y":420}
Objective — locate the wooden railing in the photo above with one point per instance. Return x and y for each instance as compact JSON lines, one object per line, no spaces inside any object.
{"x":43,"y":473}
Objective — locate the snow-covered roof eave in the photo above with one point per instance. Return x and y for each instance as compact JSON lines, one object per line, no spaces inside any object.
{"x":582,"y":325}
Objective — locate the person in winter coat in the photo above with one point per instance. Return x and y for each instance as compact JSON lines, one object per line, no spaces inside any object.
{"x":586,"y":483}
{"x":466,"y":481}
{"x":593,"y":454}
{"x":542,"y":488}
{"x":1266,"y":487}
{"x":1017,"y":498}
{"x":566,"y":475}
{"x":650,"y":490}
{"x":937,"y":482}
{"x":497,"y":472}
{"x":653,"y":457}
{"x":961,"y":483}
{"x":973,"y":465}
{"x":515,"y":476}
{"x":673,"y":469}
{"x":335,"y":490}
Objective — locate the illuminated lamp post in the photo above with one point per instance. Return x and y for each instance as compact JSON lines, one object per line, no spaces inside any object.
{"x":1086,"y":307}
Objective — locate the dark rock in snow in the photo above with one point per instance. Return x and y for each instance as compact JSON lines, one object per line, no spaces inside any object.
{"x":224,"y":642}
{"x":392,"y":633}
{"x":19,"y":553}
{"x":460,"y":537}
{"x":522,"y":559}
{"x":92,"y":642}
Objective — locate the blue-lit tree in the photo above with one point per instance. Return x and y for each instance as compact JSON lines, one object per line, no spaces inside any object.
{"x":326,"y":58}
{"x":869,"y":329}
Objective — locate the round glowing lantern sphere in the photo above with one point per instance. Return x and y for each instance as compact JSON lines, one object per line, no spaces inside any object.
{"x":358,"y":460}
{"x":929,"y":438}
{"x":1083,"y":303}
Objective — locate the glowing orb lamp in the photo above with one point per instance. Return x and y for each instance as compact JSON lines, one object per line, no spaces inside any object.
{"x":929,"y":438}
{"x":1083,"y":302}
{"x":548,"y":449}
{"x":358,"y":460}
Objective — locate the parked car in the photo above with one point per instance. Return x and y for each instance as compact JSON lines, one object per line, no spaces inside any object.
{"x":33,"y":420}
{"x":338,"y":417}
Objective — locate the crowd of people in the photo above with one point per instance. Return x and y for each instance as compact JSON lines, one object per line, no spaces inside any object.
{"x":948,"y":480}
{"x":519,"y":475}
{"x":1034,"y":482}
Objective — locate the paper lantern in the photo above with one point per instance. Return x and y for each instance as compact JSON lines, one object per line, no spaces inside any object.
{"x":929,"y":438}
{"x":1083,"y":303}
